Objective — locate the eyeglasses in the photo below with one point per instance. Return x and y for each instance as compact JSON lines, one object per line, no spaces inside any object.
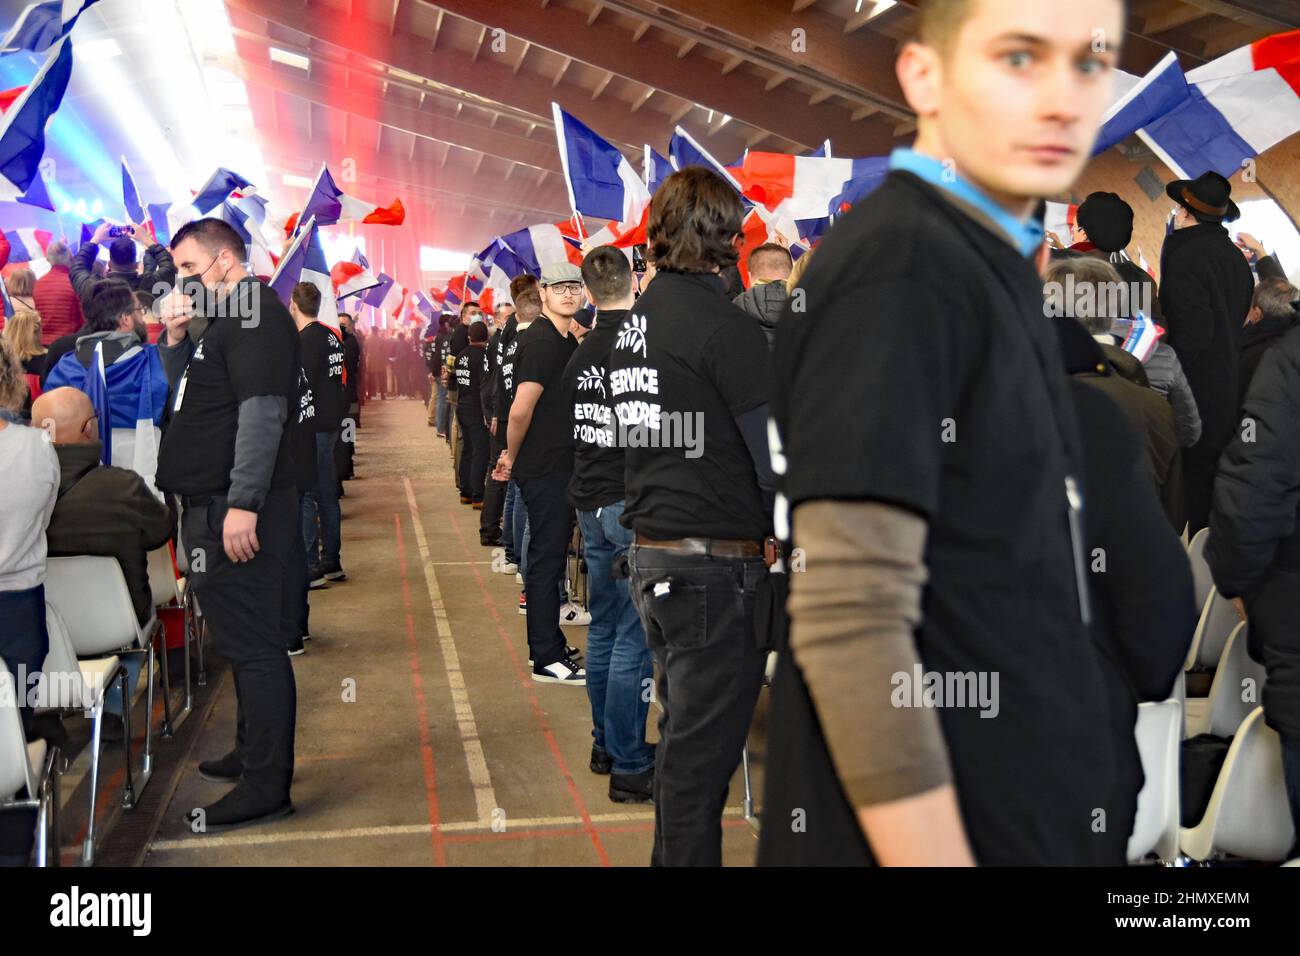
{"x":566,"y":288}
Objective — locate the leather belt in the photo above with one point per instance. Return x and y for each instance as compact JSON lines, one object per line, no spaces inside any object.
{"x":709,"y":547}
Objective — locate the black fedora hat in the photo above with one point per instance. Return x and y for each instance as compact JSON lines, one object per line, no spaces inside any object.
{"x":1208,"y":196}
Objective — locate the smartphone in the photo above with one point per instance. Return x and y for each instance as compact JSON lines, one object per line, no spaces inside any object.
{"x":638,"y":258}
{"x":115,"y":231}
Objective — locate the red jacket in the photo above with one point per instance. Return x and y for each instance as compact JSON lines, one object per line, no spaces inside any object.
{"x":58,"y":305}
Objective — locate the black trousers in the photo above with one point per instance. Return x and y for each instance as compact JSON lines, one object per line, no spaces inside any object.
{"x":549,"y":527}
{"x":1200,"y":462}
{"x":251,"y":607}
{"x":474,"y":457}
{"x":494,"y":492}
{"x":698,"y":613}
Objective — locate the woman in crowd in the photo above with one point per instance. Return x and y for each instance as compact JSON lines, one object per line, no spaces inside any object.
{"x":23,"y":333}
{"x":19,"y":285}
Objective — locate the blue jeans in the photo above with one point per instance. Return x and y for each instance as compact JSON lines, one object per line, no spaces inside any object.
{"x":619,"y":666}
{"x":134,"y":663}
{"x":323,"y":545}
{"x":512,"y":532}
{"x":441,"y":410}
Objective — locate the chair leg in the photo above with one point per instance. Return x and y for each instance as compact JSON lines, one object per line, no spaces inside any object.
{"x":42,"y":850}
{"x":128,"y":786}
{"x":160,"y":649}
{"x":748,"y":806}
{"x":97,"y":720}
{"x":146,"y":770}
{"x":56,"y":813}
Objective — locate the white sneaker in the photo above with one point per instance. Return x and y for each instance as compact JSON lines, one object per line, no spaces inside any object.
{"x":561,"y":672}
{"x":508,"y":568}
{"x":574,"y":615}
{"x":519,"y":578}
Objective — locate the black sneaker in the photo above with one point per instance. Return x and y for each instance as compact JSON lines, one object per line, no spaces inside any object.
{"x":601,"y":762}
{"x":335,"y":573}
{"x":316,"y":580}
{"x":222,"y":770}
{"x":236,"y":809}
{"x":632,"y":787}
{"x":569,"y":651}
{"x":296,"y":648}
{"x":565,"y":671}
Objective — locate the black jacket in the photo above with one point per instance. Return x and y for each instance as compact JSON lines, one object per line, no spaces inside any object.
{"x":158,"y":271}
{"x":765,"y":302}
{"x":1254,"y":544}
{"x":108,"y":512}
{"x":1205,"y":292}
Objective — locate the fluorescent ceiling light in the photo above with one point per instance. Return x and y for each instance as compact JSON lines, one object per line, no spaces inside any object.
{"x":96,"y":51}
{"x":302,"y":182}
{"x":290,"y":59}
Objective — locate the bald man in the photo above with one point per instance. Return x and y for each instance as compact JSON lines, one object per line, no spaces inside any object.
{"x":104,"y":511}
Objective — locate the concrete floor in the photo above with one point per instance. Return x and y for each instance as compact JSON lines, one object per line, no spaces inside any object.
{"x":421,"y":738}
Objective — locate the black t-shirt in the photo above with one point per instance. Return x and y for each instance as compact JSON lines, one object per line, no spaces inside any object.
{"x":543,"y":353}
{"x":469,"y":373}
{"x":322,"y":361}
{"x":352,"y":363}
{"x":236,"y":359}
{"x":508,"y":345}
{"x":922,"y":374}
{"x":302,"y":435}
{"x":597,"y":460}
{"x":684,"y":365}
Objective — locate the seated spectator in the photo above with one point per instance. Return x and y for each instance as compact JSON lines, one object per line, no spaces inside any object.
{"x":1150,"y":415}
{"x":770,"y":266}
{"x":54,"y":298}
{"x":1273,"y":313}
{"x":19,"y":285}
{"x":157,"y":272}
{"x":101,"y":510}
{"x":1160,"y":368}
{"x":29,"y":474}
{"x":23,"y":332}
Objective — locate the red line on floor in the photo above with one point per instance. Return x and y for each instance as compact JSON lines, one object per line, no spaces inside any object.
{"x":421,"y":706}
{"x":527,"y":683}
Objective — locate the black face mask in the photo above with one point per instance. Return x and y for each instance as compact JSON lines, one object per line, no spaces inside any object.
{"x":201,"y":296}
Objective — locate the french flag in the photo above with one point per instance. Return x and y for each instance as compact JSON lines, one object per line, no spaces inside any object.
{"x":762,"y":226}
{"x":540,"y":245}
{"x":352,"y":276}
{"x":27,"y":245}
{"x":219,"y":186}
{"x":131,"y":196}
{"x":96,"y":388}
{"x":40,"y":25}
{"x":602,"y":183}
{"x":804,"y":187}
{"x":657,"y":169}
{"x":1218,"y":115}
{"x":684,"y":150}
{"x":1142,"y":338}
{"x":375,"y":296}
{"x":331,"y":205}
{"x":22,"y":129}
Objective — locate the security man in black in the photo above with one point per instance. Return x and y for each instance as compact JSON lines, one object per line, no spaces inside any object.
{"x":469,"y":372}
{"x":688,"y":379}
{"x":226,"y":453}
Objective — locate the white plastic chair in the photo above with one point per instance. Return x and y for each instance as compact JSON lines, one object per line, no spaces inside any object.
{"x":1218,"y":618}
{"x":91,"y":595}
{"x":1155,"y":829}
{"x":67,"y":683}
{"x":1202,"y":580}
{"x":27,"y":766}
{"x":1248,"y":815}
{"x":1225,"y":709}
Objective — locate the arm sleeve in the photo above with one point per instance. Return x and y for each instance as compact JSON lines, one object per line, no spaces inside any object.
{"x":1258,"y":484}
{"x":156,"y":519}
{"x":163,"y":272}
{"x":1269,"y":267}
{"x":257,"y":442}
{"x":753,"y":428}
{"x":174,"y":358}
{"x":1187,"y":417}
{"x":853,"y":612}
{"x":80,"y":271}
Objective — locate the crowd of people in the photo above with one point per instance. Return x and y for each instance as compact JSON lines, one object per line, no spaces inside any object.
{"x":889,"y":465}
